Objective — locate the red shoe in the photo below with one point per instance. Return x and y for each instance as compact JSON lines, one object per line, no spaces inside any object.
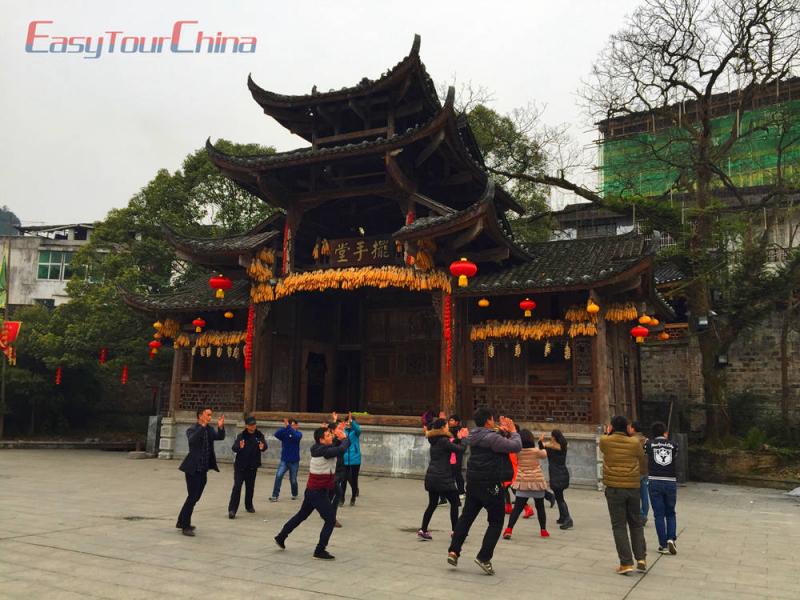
{"x":508,"y":509}
{"x":544,"y":533}
{"x":528,"y":512}
{"x":507,"y":533}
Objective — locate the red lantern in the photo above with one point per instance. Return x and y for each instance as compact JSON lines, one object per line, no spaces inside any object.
{"x":198,"y":323}
{"x":220,"y":283}
{"x":640,"y":333}
{"x":527,"y":305}
{"x":124,"y":378}
{"x":248,"y":343}
{"x":154,"y":346}
{"x":103,"y":356}
{"x":463,"y":269}
{"x":58,"y":375}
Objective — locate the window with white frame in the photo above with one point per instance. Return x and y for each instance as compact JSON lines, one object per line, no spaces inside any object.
{"x":55,"y":265}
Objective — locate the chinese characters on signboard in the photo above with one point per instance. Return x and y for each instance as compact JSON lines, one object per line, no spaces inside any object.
{"x":357,"y":252}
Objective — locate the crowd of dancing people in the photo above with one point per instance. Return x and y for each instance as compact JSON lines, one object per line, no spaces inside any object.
{"x":638,"y":473}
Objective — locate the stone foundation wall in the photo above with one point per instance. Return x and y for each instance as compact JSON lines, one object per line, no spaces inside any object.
{"x":392,"y":451}
{"x":671,"y":370}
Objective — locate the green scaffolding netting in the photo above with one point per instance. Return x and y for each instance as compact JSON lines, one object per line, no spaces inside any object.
{"x":648,"y":164}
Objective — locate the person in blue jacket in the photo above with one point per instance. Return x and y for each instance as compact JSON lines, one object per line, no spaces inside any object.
{"x":290,"y":437}
{"x":352,"y":457}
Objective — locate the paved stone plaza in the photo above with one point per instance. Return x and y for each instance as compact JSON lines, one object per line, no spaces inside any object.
{"x":87,"y":524}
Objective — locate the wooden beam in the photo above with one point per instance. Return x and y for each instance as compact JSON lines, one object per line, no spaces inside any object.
{"x":312,"y":199}
{"x":359,"y":110}
{"x":430,"y":148}
{"x":466,"y":237}
{"x":431,"y":204}
{"x":398,"y":176}
{"x":353,"y":135}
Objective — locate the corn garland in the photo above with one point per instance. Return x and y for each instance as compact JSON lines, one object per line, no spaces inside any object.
{"x":618,"y":313}
{"x":576,"y":329}
{"x":547,"y":348}
{"x":217,"y":339}
{"x":522,"y":330}
{"x":578,"y":313}
{"x":260,"y":268}
{"x":567,"y":352}
{"x":170,"y":328}
{"x":351,"y":279}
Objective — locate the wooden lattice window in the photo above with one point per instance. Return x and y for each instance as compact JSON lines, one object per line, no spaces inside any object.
{"x":479,"y":362}
{"x":583,"y":361}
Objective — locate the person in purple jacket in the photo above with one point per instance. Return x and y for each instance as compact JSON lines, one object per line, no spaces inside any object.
{"x":290,"y":437}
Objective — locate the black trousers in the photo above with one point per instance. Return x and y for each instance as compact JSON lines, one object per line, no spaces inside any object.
{"x":519,"y":505}
{"x":195,"y":483}
{"x":433,"y":501}
{"x":248,"y":478}
{"x":352,"y":479}
{"x":563,"y":509}
{"x":318,"y":500}
{"x":458,"y":475}
{"x":479,"y":497}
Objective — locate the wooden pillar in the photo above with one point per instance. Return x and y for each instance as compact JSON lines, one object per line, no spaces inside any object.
{"x":600,"y":375}
{"x":178,"y":356}
{"x":447,"y":384}
{"x":462,"y":349}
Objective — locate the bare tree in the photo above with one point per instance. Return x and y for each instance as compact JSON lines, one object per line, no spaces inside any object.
{"x":677,"y":66}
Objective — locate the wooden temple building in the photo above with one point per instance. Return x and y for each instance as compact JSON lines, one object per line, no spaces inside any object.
{"x":343,"y":299}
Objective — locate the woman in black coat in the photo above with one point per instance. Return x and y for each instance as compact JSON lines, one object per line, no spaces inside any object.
{"x":439,"y":479}
{"x":556,"y":448}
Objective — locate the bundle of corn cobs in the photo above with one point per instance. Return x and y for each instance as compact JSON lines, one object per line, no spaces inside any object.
{"x":521,"y":330}
{"x":424,"y":258}
{"x":582,"y":328}
{"x":617,"y":313}
{"x":260,"y":268}
{"x":578,"y":313}
{"x":170,"y":328}
{"x":351,"y":279}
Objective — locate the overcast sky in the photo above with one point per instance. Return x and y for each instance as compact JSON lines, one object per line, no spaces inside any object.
{"x":81,"y":136}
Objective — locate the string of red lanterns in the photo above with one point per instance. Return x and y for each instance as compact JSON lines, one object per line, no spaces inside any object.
{"x":248,"y":344}
{"x":447,"y":329}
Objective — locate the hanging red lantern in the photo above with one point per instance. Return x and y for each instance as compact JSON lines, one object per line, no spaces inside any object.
{"x":103,"y":356}
{"x":198,"y":323}
{"x":640,"y":333}
{"x":154,"y":346}
{"x":58,"y":375}
{"x":248,"y":344}
{"x":220,"y":283}
{"x":527,"y":305}
{"x":463,"y":269}
{"x":124,"y":377}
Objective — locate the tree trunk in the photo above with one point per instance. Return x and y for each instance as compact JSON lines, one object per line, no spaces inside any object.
{"x":784,"y":350}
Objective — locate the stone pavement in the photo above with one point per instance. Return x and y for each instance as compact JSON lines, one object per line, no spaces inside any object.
{"x":88,"y":524}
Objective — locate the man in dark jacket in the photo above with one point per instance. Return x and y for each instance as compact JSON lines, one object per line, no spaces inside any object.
{"x":198,"y":462}
{"x":290,"y":437}
{"x":321,"y":471}
{"x":488,"y":467}
{"x":247,"y":447}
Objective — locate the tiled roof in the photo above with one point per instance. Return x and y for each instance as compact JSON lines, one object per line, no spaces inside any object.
{"x":667,"y":273}
{"x":196,"y":296}
{"x":567,"y":264}
{"x":230,"y":245}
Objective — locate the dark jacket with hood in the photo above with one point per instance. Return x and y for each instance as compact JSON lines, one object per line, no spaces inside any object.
{"x":248,"y":457}
{"x":488,"y":461}
{"x":439,"y":476}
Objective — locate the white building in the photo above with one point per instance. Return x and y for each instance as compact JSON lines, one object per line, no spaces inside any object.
{"x":39,"y":262}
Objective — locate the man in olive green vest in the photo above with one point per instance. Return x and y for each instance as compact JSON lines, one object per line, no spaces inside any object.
{"x":623,"y":460}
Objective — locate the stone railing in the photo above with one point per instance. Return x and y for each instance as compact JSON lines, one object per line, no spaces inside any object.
{"x":221,"y":397}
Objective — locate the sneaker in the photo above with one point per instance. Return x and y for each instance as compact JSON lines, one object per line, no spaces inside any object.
{"x":452,"y":558}
{"x":323,"y":555}
{"x":188,"y":531}
{"x":486,"y":566}
{"x":641,"y":565}
{"x":281,"y":543}
{"x":544,"y":533}
{"x":250,"y":510}
{"x":662,"y":550}
{"x":231,"y":514}
{"x":507,"y":533}
{"x":273,"y":498}
{"x":624,"y":569}
{"x":424,"y":535}
{"x":528,"y":512}
{"x":673,"y":549}
{"x":353,"y":501}
{"x":566,"y":524}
